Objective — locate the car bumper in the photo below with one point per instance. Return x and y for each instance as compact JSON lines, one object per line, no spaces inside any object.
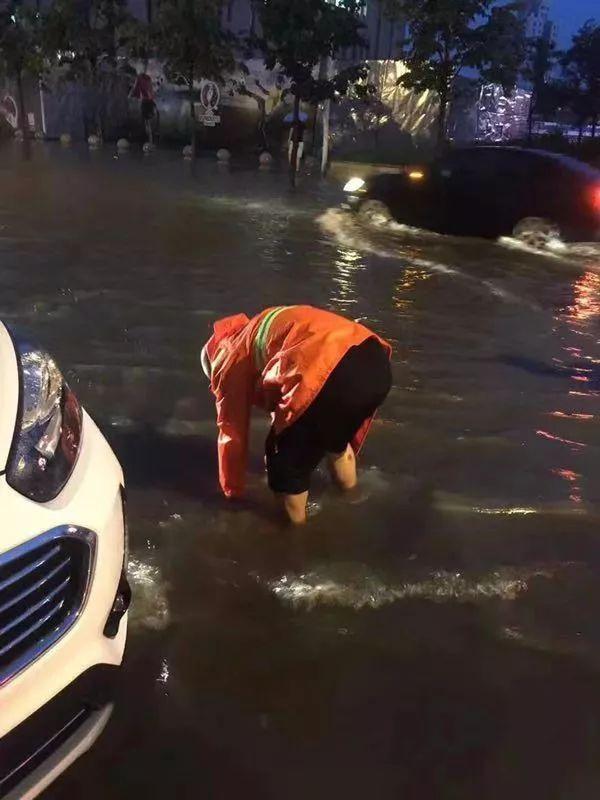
{"x":92,"y":499}
{"x":38,"y":750}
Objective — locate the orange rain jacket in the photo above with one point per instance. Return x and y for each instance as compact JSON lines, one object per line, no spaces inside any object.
{"x":278,"y":361}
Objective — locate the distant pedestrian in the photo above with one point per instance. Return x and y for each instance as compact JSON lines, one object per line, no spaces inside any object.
{"x":143,"y":90}
{"x":301,"y":125}
{"x":320,"y":376}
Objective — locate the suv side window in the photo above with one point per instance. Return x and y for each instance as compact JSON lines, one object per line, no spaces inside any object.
{"x":470,"y":164}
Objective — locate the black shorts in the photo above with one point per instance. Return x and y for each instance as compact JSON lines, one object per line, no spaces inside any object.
{"x":148,"y":108}
{"x":353,"y":392}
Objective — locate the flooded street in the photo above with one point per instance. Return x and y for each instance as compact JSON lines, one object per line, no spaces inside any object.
{"x":437,"y":640}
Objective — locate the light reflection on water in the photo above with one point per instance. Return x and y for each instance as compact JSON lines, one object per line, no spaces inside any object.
{"x":347,"y":263}
{"x":586,"y":298}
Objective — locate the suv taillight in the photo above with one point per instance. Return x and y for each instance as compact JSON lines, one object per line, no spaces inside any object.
{"x":595,"y":197}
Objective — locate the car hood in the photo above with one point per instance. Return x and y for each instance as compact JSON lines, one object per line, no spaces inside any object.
{"x":9,"y":394}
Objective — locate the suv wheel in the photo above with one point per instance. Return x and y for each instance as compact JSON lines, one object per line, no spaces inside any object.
{"x":536,"y":232}
{"x":374,"y":212}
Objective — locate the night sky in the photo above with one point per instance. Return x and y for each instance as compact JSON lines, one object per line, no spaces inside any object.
{"x":570,"y":15}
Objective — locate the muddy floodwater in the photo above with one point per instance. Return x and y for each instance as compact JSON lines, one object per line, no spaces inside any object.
{"x":437,"y":639}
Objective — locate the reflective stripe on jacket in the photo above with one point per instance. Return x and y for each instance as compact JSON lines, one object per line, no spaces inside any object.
{"x":279,"y":361}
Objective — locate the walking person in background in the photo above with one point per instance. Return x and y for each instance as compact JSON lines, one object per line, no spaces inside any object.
{"x":143,"y":90}
{"x":300,"y":153}
{"x":320,"y":376}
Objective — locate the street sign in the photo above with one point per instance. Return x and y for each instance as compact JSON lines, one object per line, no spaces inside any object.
{"x":209,"y":102}
{"x":8,"y":110}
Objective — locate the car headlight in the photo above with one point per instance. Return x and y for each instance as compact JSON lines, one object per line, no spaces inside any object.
{"x":354,"y":185}
{"x":48,"y":432}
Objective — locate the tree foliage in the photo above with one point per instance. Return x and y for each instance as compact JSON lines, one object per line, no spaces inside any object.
{"x":194,"y":45}
{"x":581,"y":74}
{"x":298,"y":36}
{"x":21,"y":48}
{"x":85,"y":39}
{"x":540,"y":59}
{"x":86,"y":36}
{"x":446,"y":37}
{"x":267,"y":98}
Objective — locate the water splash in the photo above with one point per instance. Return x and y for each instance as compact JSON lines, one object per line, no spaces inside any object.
{"x":348,"y":231}
{"x":557,"y":250}
{"x":359,"y":590}
{"x":150,"y":608}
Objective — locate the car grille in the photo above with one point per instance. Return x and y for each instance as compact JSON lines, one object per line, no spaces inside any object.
{"x":43,"y":586}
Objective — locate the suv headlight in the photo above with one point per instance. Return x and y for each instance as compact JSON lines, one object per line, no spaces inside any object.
{"x":48,"y":432}
{"x":354,"y":185}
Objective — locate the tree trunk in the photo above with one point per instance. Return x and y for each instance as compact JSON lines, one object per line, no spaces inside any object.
{"x":441,"y":121}
{"x":23,"y":116}
{"x":295,"y":140}
{"x":192,"y":114}
{"x":262,"y":123}
{"x":530,"y":118}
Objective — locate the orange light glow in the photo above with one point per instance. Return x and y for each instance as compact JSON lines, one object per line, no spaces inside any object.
{"x":572,"y":478}
{"x":416,"y":175}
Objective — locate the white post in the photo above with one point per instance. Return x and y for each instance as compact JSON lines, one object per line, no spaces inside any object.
{"x":325,"y":148}
{"x":324,"y":70}
{"x":42,"y":109}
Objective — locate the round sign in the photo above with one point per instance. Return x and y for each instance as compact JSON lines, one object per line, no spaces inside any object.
{"x":209,"y":95}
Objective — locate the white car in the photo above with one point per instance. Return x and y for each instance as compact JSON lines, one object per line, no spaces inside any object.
{"x":63,"y":586}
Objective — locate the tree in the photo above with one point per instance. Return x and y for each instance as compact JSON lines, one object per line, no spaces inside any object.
{"x":191,"y":39}
{"x":539,"y":63}
{"x":21,"y":49}
{"x":87,"y":40}
{"x":267,"y":95}
{"x":298,"y":36}
{"x":365,"y":107}
{"x":445,"y":37}
{"x":581,"y":65}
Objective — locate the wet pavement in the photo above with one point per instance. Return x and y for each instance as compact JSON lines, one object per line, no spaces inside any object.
{"x":438,"y":639}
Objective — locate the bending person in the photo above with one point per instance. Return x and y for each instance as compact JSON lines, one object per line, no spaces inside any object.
{"x":320,"y":376}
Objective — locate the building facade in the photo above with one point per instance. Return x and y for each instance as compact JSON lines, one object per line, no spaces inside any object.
{"x":537,"y":21}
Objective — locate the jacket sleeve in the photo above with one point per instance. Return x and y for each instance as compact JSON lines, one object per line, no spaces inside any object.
{"x":234,"y":403}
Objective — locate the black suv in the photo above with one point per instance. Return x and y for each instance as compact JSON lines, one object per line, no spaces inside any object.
{"x":532,"y":195}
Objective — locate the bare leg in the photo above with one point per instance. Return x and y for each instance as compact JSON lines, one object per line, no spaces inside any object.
{"x":343,"y":469}
{"x":295,"y":507}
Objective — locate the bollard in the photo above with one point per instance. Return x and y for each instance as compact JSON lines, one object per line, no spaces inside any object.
{"x":122,"y":145}
{"x":65,"y":139}
{"x":188,"y":152}
{"x":93,"y":141}
{"x":19,"y":135}
{"x":223,"y":155}
{"x":265,"y":160}
{"x":147,"y":148}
